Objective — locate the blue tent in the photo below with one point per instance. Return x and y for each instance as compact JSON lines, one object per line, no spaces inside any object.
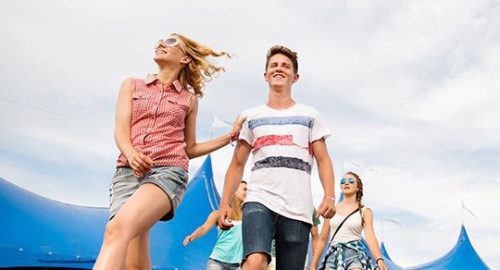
{"x":39,"y":232}
{"x":387,"y":259}
{"x":461,"y":256}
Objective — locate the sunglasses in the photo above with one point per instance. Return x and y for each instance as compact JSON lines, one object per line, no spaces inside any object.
{"x":170,"y":42}
{"x":351,"y":181}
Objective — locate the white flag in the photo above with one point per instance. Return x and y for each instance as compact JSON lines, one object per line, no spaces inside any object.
{"x":220,"y":123}
{"x":392,"y":220}
{"x":465,"y":208}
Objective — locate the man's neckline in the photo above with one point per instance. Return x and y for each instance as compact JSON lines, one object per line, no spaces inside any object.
{"x":281,"y":109}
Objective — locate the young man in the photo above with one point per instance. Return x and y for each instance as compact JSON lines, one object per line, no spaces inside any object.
{"x":284,"y":137}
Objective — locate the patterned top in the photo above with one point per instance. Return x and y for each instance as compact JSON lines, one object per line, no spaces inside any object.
{"x":282,"y":159}
{"x":337,"y":251}
{"x":158,"y":122}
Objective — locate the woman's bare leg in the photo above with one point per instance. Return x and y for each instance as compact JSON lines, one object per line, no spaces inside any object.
{"x":142,"y":210}
{"x":138,"y":253}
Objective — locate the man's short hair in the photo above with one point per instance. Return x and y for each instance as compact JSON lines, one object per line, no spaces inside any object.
{"x":279,"y":49}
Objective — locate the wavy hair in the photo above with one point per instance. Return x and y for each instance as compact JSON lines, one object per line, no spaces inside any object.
{"x":359,"y":193}
{"x":199,"y":70}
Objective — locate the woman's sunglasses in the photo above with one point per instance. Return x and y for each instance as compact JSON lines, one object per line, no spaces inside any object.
{"x":351,"y":181}
{"x":170,"y":42}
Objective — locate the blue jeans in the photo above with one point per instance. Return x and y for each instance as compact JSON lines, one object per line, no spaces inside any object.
{"x":217,"y":265}
{"x":261,"y":225}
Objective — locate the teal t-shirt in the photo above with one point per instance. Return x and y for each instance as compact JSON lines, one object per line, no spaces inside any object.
{"x":229,"y":245}
{"x":316,"y":220}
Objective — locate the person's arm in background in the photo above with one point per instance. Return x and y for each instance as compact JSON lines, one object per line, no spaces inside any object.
{"x":371,"y":239}
{"x":314,"y":237}
{"x":314,"y":231}
{"x":203,"y":229}
{"x":320,"y":244}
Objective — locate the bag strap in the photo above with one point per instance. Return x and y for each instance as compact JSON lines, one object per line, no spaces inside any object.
{"x":342,"y":223}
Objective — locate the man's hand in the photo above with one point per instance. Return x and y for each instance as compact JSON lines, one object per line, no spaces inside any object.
{"x":327,"y":207}
{"x":139,"y":162}
{"x":224,"y":214}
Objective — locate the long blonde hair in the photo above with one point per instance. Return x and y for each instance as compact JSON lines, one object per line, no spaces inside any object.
{"x":236,"y":204}
{"x":199,"y":70}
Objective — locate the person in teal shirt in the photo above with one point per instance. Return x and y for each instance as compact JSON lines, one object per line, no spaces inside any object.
{"x":227,"y":253}
{"x":314,"y":231}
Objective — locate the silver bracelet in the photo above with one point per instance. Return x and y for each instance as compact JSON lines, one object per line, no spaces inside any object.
{"x":331,"y":198}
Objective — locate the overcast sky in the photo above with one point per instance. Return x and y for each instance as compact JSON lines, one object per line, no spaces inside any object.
{"x":410,"y":90}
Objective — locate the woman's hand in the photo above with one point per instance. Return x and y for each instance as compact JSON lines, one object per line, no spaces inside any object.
{"x":139,"y":162}
{"x":381,"y":265}
{"x":238,"y":124}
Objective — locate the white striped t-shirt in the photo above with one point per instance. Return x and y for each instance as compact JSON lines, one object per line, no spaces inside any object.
{"x":282,"y":157}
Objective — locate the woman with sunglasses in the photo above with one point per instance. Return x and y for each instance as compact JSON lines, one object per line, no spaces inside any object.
{"x":227,"y":253}
{"x":346,"y":250}
{"x":156,"y":133}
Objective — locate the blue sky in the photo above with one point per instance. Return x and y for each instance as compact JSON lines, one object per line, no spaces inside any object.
{"x":408,"y":88}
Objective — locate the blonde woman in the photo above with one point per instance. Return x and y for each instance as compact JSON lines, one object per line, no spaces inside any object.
{"x":345,"y":249}
{"x":228,"y":249}
{"x":156,"y":133}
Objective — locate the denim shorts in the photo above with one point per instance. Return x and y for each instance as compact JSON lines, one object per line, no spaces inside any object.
{"x":351,"y":260}
{"x":218,"y":265}
{"x":261,"y":226}
{"x":172,"y":180}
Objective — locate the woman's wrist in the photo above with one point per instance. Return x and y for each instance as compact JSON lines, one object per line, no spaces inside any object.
{"x":233,"y":136}
{"x":129,"y":151}
{"x":380,"y":259}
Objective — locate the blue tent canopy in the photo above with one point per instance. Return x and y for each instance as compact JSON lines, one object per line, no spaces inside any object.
{"x":461,"y":256}
{"x":387,"y":259}
{"x":39,"y":232}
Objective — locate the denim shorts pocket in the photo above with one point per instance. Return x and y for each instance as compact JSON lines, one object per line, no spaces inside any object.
{"x":112,"y":184}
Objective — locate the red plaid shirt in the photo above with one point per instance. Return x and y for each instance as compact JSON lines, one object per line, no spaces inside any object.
{"x":157,"y":125}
